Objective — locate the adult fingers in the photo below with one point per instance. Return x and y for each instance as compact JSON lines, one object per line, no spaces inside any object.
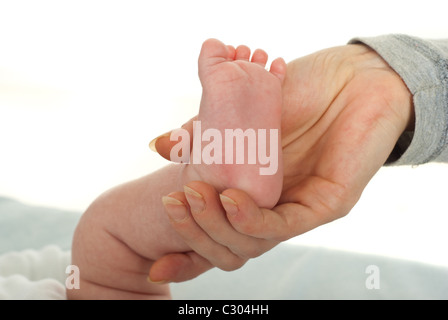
{"x":178,"y":210}
{"x":208,"y":212}
{"x":302,"y":209}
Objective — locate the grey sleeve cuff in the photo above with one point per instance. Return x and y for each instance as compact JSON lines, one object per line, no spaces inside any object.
{"x":423,"y":66}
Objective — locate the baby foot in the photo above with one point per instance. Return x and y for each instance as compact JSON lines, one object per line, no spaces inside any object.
{"x":239,"y":143}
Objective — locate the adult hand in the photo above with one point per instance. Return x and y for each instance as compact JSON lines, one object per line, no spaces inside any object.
{"x":344,"y":109}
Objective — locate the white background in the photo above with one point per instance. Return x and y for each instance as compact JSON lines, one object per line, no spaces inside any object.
{"x":85,"y":85}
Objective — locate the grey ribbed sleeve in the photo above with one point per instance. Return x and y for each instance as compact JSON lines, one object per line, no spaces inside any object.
{"x":423,"y":66}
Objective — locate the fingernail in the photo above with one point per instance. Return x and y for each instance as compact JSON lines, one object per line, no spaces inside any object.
{"x":152,"y":144}
{"x":192,"y":192}
{"x":156,"y":282}
{"x":229,"y":205}
{"x":176,"y":209}
{"x":195,"y":200}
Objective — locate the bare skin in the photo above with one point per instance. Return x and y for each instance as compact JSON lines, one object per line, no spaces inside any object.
{"x":125,"y":230}
{"x":344,"y":109}
{"x":241,"y":94}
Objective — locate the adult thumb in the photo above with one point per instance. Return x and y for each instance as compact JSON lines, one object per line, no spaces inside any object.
{"x":163,"y":143}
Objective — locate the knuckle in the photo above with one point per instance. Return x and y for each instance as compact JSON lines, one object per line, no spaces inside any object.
{"x":336,"y":203}
{"x":253,"y":253}
{"x":253,"y":249}
{"x":231,"y":264}
{"x":249,"y":252}
{"x":246,"y":227}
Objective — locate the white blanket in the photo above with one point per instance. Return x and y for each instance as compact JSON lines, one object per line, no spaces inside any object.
{"x":34,"y":274}
{"x":286,"y":272}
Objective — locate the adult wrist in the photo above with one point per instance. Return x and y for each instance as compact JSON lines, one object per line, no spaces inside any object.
{"x":421,"y":64}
